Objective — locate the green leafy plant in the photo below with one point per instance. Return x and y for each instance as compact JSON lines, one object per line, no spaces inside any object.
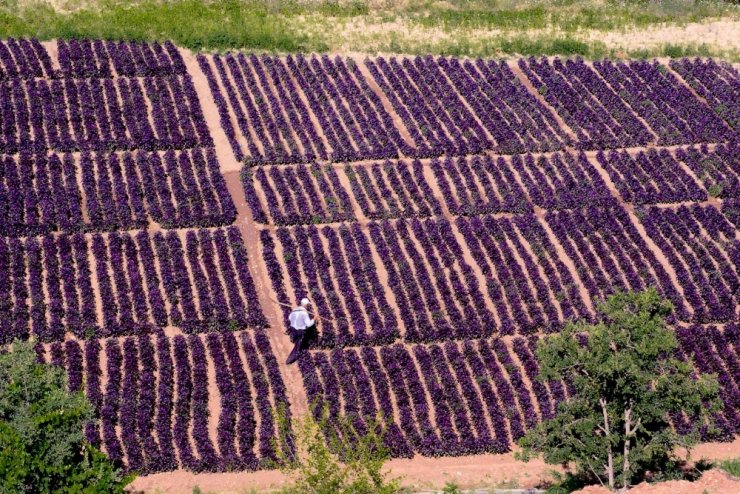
{"x":42,"y":447}
{"x":627,"y":384}
{"x":732,"y":467}
{"x":715,"y":190}
{"x":451,"y":488}
{"x":331,"y":455}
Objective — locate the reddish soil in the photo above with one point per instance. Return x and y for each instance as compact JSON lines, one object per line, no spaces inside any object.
{"x":467,"y":472}
{"x":712,"y":482}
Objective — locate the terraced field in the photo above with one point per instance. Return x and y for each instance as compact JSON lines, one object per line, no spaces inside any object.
{"x":441,"y":213}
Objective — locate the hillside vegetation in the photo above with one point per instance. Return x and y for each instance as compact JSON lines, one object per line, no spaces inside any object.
{"x":591,"y":28}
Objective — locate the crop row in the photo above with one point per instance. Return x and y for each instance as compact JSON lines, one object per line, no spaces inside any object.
{"x":100,"y":114}
{"x":586,"y":104}
{"x":302,"y":194}
{"x":456,"y":398}
{"x":154,"y":408}
{"x":714,"y":351}
{"x":98,"y":58}
{"x":623,"y":104}
{"x":652,"y":177}
{"x":505,"y":275}
{"x":436,"y":292}
{"x":335,"y":268}
{"x":484,"y":185}
{"x":526,"y":281}
{"x":120,"y":284}
{"x":663,"y":102}
{"x":468,"y":186}
{"x":24,"y":58}
{"x":392,"y":190}
{"x":718,"y":171}
{"x":475,"y":396}
{"x":301,"y":109}
{"x":451,"y":107}
{"x":29,"y":59}
{"x":716,"y":82}
{"x":701,"y":246}
{"x":264,"y":94}
{"x":731,"y":211}
{"x":41,"y":194}
{"x":610,"y":254}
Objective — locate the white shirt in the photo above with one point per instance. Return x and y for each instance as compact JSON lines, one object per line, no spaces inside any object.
{"x":299,"y":319}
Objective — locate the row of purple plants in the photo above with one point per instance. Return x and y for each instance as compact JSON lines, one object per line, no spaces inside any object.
{"x":651,"y":177}
{"x":731,"y":210}
{"x":718,"y":170}
{"x":356,"y":125}
{"x":144,"y":282}
{"x":479,"y":395}
{"x":564,"y":180}
{"x":515,"y":118}
{"x":29,"y":59}
{"x":303,"y":194}
{"x":479,"y":185}
{"x":717,"y":352}
{"x":24,"y":58}
{"x":480,"y":104}
{"x":469,"y":186}
{"x":717,"y":82}
{"x":100,"y":114}
{"x":673,"y":113}
{"x":274,"y":122}
{"x":457,"y":107}
{"x":701,"y":246}
{"x":392,"y":190}
{"x":530,"y":292}
{"x":106,"y":59}
{"x":599,"y":117}
{"x":437,"y":293}
{"x":609,"y":254}
{"x":154,"y":408}
{"x":40,"y":194}
{"x":526,"y":280}
{"x":476,"y":396}
{"x":434,"y":114}
{"x":335,"y":269}
{"x":436,"y":290}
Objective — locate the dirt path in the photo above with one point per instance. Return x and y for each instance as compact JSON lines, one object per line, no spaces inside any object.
{"x":279,"y":342}
{"x":225,"y":156}
{"x":416,"y":473}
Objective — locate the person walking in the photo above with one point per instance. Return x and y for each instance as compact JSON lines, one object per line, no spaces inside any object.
{"x":301,"y":324}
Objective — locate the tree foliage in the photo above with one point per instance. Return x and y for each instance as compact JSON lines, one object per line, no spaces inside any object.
{"x":628,"y":384}
{"x":334,"y":456}
{"x":42,"y":447}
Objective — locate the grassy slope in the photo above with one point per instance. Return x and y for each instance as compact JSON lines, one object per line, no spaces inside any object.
{"x":460,"y":27}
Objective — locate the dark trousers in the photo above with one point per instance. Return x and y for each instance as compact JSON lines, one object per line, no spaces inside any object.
{"x":300,"y":339}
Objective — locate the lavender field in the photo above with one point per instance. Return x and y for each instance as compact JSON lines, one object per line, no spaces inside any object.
{"x":442,"y":214}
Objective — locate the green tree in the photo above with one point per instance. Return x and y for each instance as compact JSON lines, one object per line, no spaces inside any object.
{"x":42,"y":447}
{"x":332,"y":456}
{"x":627,"y":383}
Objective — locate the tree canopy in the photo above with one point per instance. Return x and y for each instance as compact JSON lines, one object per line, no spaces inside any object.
{"x":628,"y":385}
{"x":42,"y":447}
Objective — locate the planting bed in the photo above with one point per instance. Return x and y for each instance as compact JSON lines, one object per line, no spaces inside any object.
{"x":157,"y":208}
